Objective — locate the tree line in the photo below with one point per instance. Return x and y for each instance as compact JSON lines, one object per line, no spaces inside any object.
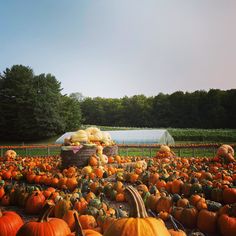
{"x":200,"y":109}
{"x":33,"y":107}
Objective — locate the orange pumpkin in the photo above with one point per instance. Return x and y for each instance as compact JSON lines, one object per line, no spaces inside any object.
{"x":45,"y":226}
{"x":34,"y":203}
{"x":10,"y":222}
{"x":138,"y":216}
{"x":207,"y":221}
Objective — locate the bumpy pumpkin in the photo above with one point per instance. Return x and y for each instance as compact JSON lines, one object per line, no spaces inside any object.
{"x":45,"y":226}
{"x":139,"y":223}
{"x":9,"y":155}
{"x":227,"y":152}
{"x":10,"y":222}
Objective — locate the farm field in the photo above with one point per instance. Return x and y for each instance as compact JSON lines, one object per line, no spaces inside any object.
{"x":176,"y":192}
{"x":91,"y":186}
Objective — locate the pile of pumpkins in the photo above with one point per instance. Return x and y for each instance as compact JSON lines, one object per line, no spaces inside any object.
{"x":91,"y":135}
{"x":191,"y":193}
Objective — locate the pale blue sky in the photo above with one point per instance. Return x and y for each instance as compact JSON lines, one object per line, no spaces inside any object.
{"x":113,"y":48}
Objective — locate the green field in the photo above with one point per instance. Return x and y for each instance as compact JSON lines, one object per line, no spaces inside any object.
{"x":204,"y":135}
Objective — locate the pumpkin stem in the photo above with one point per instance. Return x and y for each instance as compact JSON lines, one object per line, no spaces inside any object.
{"x":45,"y":212}
{"x":0,"y":213}
{"x":137,"y":208}
{"x":78,"y":227}
{"x":175,"y":222}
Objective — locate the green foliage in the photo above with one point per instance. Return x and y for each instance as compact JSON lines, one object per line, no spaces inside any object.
{"x":32,"y":106}
{"x":203,"y":135}
{"x":200,"y":109}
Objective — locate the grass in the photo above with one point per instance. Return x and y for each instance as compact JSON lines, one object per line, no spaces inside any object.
{"x":183,"y":152}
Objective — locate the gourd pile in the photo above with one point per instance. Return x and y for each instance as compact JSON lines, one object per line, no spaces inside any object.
{"x":91,"y":135}
{"x":168,"y":196}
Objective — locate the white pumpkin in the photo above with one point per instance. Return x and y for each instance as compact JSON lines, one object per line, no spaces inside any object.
{"x":92,"y":130}
{"x":164,"y":148}
{"x":79,"y":136}
{"x":103,"y":159}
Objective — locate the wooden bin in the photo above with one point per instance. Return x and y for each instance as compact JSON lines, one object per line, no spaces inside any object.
{"x":110,"y":150}
{"x":76,"y":156}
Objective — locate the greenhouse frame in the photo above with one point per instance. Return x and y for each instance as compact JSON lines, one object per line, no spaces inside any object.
{"x":139,"y":136}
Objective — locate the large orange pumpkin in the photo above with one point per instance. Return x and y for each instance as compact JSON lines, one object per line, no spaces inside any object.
{"x":45,"y":226}
{"x":139,"y":224}
{"x":227,"y":225}
{"x":10,"y":222}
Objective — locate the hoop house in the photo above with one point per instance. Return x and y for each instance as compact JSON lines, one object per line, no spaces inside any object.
{"x":142,"y":136}
{"x":149,"y":136}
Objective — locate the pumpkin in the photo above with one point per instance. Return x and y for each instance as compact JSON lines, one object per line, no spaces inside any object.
{"x":176,"y":186}
{"x":71,"y":183}
{"x":87,"y":221}
{"x":80,"y":232}
{"x":80,"y":205}
{"x":229,"y":195}
{"x":79,"y":136}
{"x":189,"y":217}
{"x":164,"y":148}
{"x":176,"y":231}
{"x":207,"y":221}
{"x":61,"y":207}
{"x":10,"y":222}
{"x":182,"y":202}
{"x":176,"y":212}
{"x":227,"y":225}
{"x":152,"y":201}
{"x":9,"y":155}
{"x":227,"y":152}
{"x":138,"y":217}
{"x":45,"y":226}
{"x":165,"y":203}
{"x":34,"y":203}
{"x":217,"y":194}
{"x":2,"y":192}
{"x":69,"y":218}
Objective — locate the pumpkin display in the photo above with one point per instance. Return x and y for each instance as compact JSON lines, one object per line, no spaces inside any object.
{"x":10,"y":222}
{"x":138,"y":216}
{"x":198,"y":192}
{"x":45,"y":225}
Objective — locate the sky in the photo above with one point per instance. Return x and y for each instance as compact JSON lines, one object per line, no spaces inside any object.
{"x":117,"y":48}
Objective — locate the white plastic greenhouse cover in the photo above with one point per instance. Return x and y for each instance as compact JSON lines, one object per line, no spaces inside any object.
{"x":148,"y":136}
